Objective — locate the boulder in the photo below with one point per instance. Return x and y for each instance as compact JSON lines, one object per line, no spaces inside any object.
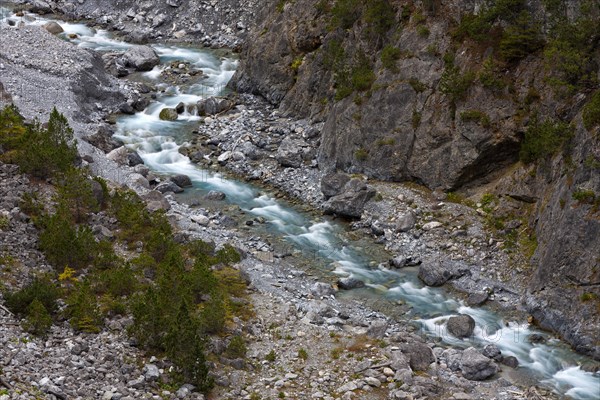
{"x":492,"y":351}
{"x":215,"y":195}
{"x":181,"y":180}
{"x":155,"y":201}
{"x":180,"y":108}
{"x":377,"y":329}
{"x":291,"y":152}
{"x":141,"y":58}
{"x":351,"y":202}
{"x":475,"y":366}
{"x":168,"y":186}
{"x":103,"y":139}
{"x":510,"y":361}
{"x":477,"y":299}
{"x":40,"y":7}
{"x":168,"y":114}
{"x":119,"y":155}
{"x":321,"y":289}
{"x":461,"y":326}
{"x":213,"y":106}
{"x":134,"y":159}
{"x":406,"y":222}
{"x":434,"y":274}
{"x":420,"y":356}
{"x":53,"y":27}
{"x":332,"y":184}
{"x":350,"y":283}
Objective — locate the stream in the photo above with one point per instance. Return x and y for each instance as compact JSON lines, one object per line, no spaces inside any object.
{"x":552,"y":364}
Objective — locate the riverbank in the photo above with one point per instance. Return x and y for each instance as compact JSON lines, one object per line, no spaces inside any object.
{"x":271,"y":280}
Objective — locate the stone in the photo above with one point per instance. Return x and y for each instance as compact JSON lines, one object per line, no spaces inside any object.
{"x":151,"y":373}
{"x":348,"y":387}
{"x":181,"y":180}
{"x":398,"y":262}
{"x":406,"y":222}
{"x":420,"y":355}
{"x":536,"y":338}
{"x":213,"y":106}
{"x":141,"y":58}
{"x":492,"y":351}
{"x":133,"y":159}
{"x":461,"y":326}
{"x":398,"y":361}
{"x":350,"y":283}
{"x":215,"y":195}
{"x":180,"y":108}
{"x":388,"y":372}
{"x":477,"y":299}
{"x":321,"y":289}
{"x":168,"y":114}
{"x":53,"y":27}
{"x":432,"y":225}
{"x":434,"y":274}
{"x":184,"y":391}
{"x":377,"y":329}
{"x":475,"y":366}
{"x":119,"y":155}
{"x":332,"y":184}
{"x":168,"y":186}
{"x":351,"y":202}
{"x":372,"y":381}
{"x":155,"y":201}
{"x":201,"y":220}
{"x":510,"y":361}
{"x":40,"y":7}
{"x":290,"y":152}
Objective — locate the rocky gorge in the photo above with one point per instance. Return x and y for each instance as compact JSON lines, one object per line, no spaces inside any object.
{"x":420,"y":228}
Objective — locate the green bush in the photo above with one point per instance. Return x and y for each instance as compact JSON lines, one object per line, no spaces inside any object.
{"x":74,"y":191}
{"x":41,"y":289}
{"x":12,"y":130}
{"x":46,"y":152}
{"x":591,"y":112}
{"x":476,"y":116}
{"x":38,"y":319}
{"x":345,"y":13}
{"x":423,"y":31}
{"x":389,"y":57}
{"x":521,"y":38}
{"x":361,"y":154}
{"x":64,"y":244}
{"x":380,"y":15}
{"x":416,"y":119}
{"x":271,"y":356}
{"x":236,"y":347}
{"x":584,"y":196}
{"x":544,"y":140}
{"x":362,"y":75}
{"x":417,"y":85}
{"x":489,"y":76}
{"x":82,"y":308}
{"x":477,"y":27}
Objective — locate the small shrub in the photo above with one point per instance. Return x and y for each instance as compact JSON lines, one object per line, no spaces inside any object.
{"x":362,"y":75}
{"x":584,"y":196}
{"x":4,"y":223}
{"x":302,"y":354}
{"x":587,"y":296}
{"x":389,"y":57}
{"x":38,"y":320}
{"x":423,"y":31}
{"x":476,"y":116}
{"x":417,"y":85}
{"x":543,"y":140}
{"x":345,"y":13}
{"x":489,"y":76}
{"x":361,"y":154}
{"x":416,"y":119}
{"x":521,"y":38}
{"x":271,"y":356}
{"x":236,"y":347}
{"x":591,"y":112}
{"x":82,"y":308}
{"x":295,"y":65}
{"x":40,"y":289}
{"x":380,"y":15}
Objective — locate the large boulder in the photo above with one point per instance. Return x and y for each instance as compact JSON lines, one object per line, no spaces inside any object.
{"x":141,"y":58}
{"x":434,"y":274}
{"x":351,"y":202}
{"x":40,"y":7}
{"x":103,"y":139}
{"x":53,"y":27}
{"x":420,"y":355}
{"x":350,"y":283}
{"x":168,"y":114}
{"x":333,"y":184}
{"x":181,"y":180}
{"x":406,"y":222}
{"x":292,"y":152}
{"x":461,"y":326}
{"x":168,"y":186}
{"x":475,"y":366}
{"x":213,"y":106}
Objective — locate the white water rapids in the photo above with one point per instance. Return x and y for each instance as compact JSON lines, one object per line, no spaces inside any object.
{"x":553,"y":363}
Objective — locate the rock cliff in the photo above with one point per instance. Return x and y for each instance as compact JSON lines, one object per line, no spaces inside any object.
{"x":472,"y":96}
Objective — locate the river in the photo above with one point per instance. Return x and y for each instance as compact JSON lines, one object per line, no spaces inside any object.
{"x":552,"y":364}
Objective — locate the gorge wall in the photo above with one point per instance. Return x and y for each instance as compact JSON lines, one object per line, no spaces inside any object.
{"x":473,"y":96}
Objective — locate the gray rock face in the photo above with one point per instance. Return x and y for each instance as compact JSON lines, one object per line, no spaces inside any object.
{"x":351,"y":202}
{"x":141,"y":58}
{"x":333,"y":184}
{"x":475,"y":366}
{"x":461,"y":326}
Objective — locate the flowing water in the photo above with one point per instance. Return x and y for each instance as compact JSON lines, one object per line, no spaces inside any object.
{"x":552,"y":363}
